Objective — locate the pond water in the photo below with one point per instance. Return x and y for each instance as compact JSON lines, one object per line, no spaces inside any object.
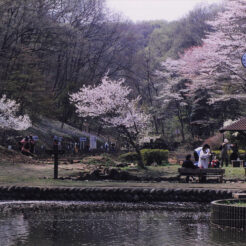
{"x":181,"y":226}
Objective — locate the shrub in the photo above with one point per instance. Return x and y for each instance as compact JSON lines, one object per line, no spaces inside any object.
{"x":154,"y":155}
{"x":217,"y":153}
{"x":149,"y":156}
{"x":129,"y":157}
{"x":242,"y":152}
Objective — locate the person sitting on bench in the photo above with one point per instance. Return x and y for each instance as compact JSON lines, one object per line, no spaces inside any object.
{"x":188,"y":164}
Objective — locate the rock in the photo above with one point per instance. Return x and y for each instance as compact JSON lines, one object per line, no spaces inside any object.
{"x":95,"y":174}
{"x":122,"y":165}
{"x":84,"y":176}
{"x":154,"y":164}
{"x":133,"y":169}
{"x":74,"y":178}
{"x":113,"y":174}
{"x":123,"y":175}
{"x":105,"y":171}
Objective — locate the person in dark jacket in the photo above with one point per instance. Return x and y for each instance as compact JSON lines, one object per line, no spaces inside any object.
{"x":225,"y":147}
{"x":188,"y":163}
{"x":235,"y":154}
{"x":32,"y":144}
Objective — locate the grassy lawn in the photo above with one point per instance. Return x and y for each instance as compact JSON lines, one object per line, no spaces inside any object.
{"x":171,"y":170}
{"x":42,"y":175}
{"x":235,"y":173}
{"x":239,"y":204}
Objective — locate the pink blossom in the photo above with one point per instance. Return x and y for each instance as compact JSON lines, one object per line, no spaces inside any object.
{"x":8,"y":115}
{"x":110,"y":101}
{"x":216,"y":64}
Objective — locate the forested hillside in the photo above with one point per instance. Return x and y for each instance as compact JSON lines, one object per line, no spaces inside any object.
{"x":51,"y":48}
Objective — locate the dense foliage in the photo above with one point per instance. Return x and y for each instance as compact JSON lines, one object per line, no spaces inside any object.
{"x":49,"y":49}
{"x":149,"y":156}
{"x":207,"y":83}
{"x":110,"y":101}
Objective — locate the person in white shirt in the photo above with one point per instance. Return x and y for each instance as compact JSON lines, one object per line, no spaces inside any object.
{"x":196,"y":155}
{"x":204,"y":156}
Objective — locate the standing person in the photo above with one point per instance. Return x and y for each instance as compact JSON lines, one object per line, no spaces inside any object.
{"x":235,"y":154}
{"x":76,"y":149}
{"x":25,"y":150}
{"x":24,"y":140}
{"x":197,"y":154}
{"x":204,"y":156}
{"x":32,"y":144}
{"x":224,"y":152}
{"x":106,"y":146}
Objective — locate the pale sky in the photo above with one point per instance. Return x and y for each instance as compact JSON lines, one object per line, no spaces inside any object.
{"x":138,"y":10}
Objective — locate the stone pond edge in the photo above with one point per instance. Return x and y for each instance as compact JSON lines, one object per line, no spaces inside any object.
{"x":119,"y":194}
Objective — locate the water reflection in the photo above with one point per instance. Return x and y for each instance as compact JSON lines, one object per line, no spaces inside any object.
{"x":111,"y":228}
{"x":13,"y":229}
{"x":228,"y":236}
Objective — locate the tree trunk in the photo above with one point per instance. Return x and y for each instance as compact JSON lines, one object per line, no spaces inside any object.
{"x":140,"y":159}
{"x":156,"y":124}
{"x":135,"y":146}
{"x":162,"y":128}
{"x":181,"y":123}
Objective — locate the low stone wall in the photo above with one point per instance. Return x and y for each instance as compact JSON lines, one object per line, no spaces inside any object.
{"x":113,"y":194}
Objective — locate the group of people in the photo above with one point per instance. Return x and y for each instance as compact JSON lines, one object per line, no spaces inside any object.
{"x":203,"y":156}
{"x":27,"y":145}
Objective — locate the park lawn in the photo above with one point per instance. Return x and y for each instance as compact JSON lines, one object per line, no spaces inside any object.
{"x":235,"y":173}
{"x":239,"y":204}
{"x":171,"y":170}
{"x":41,"y":175}
{"x":167,"y":170}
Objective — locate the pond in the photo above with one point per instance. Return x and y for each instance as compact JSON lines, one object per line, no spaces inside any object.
{"x":172,"y":225}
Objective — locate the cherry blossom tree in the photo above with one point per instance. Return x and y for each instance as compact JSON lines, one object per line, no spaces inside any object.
{"x":110,"y":101}
{"x":9,"y":118}
{"x":172,"y":89}
{"x":216,"y":65}
{"x":215,"y":68}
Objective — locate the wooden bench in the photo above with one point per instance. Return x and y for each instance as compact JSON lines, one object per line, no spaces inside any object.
{"x":203,"y":174}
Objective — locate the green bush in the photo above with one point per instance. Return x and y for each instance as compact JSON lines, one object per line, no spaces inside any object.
{"x":154,"y":155}
{"x":217,"y":153}
{"x":241,"y":152}
{"x":129,"y":157}
{"x":149,"y":156}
